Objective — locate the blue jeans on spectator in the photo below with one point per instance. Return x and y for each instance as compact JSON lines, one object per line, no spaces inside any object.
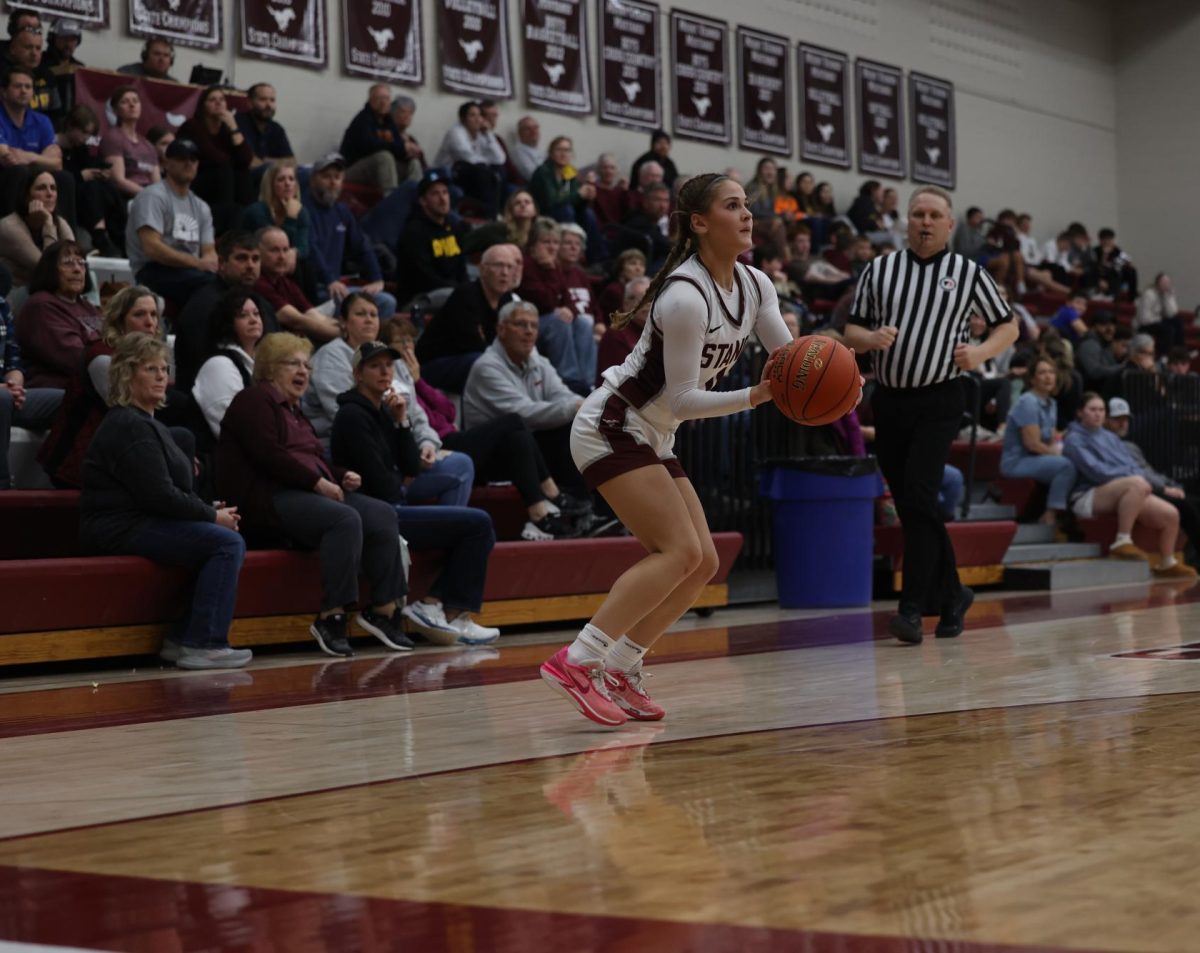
{"x":1058,"y":472}
{"x":216,"y":553}
{"x":37,"y":413}
{"x":950,"y":494}
{"x":174,"y":284}
{"x":571,"y":348}
{"x":450,"y":372}
{"x":465,"y":535}
{"x":448,"y":481}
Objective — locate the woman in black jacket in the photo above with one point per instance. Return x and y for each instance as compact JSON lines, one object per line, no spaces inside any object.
{"x":371,"y":436}
{"x":138,"y":501}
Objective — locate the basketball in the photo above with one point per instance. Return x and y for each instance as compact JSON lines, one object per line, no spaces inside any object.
{"x":814,"y":381}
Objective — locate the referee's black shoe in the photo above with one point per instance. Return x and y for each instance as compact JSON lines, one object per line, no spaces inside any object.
{"x":950,"y":625}
{"x":906,"y":626}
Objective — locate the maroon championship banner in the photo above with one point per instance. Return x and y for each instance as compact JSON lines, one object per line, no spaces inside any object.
{"x":90,"y":14}
{"x":284,"y":31}
{"x":164,"y":104}
{"x":824,"y":106}
{"x":880,"y":119}
{"x":630,"y":64}
{"x":186,"y":22}
{"x":473,"y":41}
{"x":765,"y":117}
{"x":700,"y":83}
{"x":931,"y":106}
{"x":556,"y":68}
{"x":382,"y":40}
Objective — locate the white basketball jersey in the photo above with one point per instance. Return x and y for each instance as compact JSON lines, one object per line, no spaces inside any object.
{"x":731,"y":319}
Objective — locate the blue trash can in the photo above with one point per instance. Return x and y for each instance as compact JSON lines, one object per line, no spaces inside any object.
{"x":824,"y":540}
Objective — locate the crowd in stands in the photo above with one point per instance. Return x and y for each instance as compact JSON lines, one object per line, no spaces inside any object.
{"x":359,"y":338}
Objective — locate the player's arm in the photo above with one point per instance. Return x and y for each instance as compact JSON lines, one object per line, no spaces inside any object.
{"x":768,"y":325}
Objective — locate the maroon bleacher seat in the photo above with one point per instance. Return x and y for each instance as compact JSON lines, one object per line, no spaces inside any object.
{"x":982,"y":543}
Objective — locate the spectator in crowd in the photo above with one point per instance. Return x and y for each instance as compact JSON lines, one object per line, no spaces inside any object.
{"x":1110,"y":481}
{"x":133,"y":160}
{"x":572,"y":251}
{"x":1068,"y":320}
{"x":511,"y":377}
{"x":271,"y":465}
{"x":513,"y":228}
{"x":805,"y":190}
{"x":27,"y":137}
{"x":237,"y":328}
{"x":279,"y":204}
{"x":65,"y":37}
{"x":223,"y":178}
{"x":100,"y":207}
{"x":292,"y":308}
{"x":466,"y":323}
{"x":374,"y":149}
{"x":132,"y":310}
{"x":1117,"y":273}
{"x":267,"y":139}
{"x":138,"y":501}
{"x":1032,"y":450}
{"x":762,"y":194}
{"x":525,"y":154}
{"x":565,"y":336}
{"x":239,"y":267}
{"x":618,"y":343}
{"x":32,"y":408}
{"x":1118,"y":420}
{"x":169,"y":237}
{"x":660,"y":152}
{"x":648,"y":228}
{"x":445,"y":476}
{"x":403,"y":110}
{"x":559,"y":191}
{"x":1158,"y":313}
{"x":373,"y":437}
{"x":1179,"y":363}
{"x":1094,"y":355}
{"x":891,"y":216}
{"x":1081,"y":261}
{"x":824,"y":202}
{"x":475,"y":158}
{"x":816,"y":277}
{"x":1141,"y":361}
{"x":25,"y":51}
{"x":431,"y":243}
{"x":970,"y":238}
{"x":160,"y":137}
{"x":158,"y":56}
{"x":33,"y":227}
{"x":1031,"y":249}
{"x":338,"y":245}
{"x":864,"y":210}
{"x":57,"y":323}
{"x":630,"y":264}
{"x":612,"y":191}
{"x":503,"y":449}
{"x":490,"y":110}
{"x":649,"y":175}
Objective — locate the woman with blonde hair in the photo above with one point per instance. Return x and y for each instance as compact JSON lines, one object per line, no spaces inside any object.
{"x":138,"y":501}
{"x":520,"y":211}
{"x":279,"y":204}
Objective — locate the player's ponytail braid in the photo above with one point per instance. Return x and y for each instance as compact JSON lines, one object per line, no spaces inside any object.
{"x":694,"y":197}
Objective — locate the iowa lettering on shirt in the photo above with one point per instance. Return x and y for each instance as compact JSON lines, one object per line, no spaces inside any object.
{"x":446,"y":247}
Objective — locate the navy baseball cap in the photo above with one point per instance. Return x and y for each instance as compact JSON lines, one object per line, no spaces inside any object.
{"x":431,"y":178}
{"x":369,"y":350}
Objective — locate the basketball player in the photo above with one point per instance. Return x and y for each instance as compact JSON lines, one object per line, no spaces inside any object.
{"x":704,"y":305}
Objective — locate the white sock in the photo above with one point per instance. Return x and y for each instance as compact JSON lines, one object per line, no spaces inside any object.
{"x":1165,"y":563}
{"x":591,"y":645}
{"x":625,"y":655}
{"x":1122,"y":539}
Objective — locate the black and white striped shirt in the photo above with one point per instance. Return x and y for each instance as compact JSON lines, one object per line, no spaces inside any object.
{"x":929,"y":302}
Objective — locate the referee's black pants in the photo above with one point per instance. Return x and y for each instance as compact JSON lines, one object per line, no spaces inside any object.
{"x":914,"y":428}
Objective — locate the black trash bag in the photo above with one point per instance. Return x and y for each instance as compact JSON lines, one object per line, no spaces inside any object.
{"x":825,"y":466}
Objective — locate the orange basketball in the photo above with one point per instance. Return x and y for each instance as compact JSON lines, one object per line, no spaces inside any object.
{"x":814,"y":381}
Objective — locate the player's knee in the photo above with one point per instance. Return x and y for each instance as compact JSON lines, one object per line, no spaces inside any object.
{"x":687,"y":555}
{"x":709,"y":564}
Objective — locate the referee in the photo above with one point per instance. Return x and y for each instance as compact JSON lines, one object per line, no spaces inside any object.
{"x":911,"y":310}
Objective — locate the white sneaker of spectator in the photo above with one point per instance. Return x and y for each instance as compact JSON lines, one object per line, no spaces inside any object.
{"x":531,"y":533}
{"x":471,"y":632}
{"x":428,"y":619}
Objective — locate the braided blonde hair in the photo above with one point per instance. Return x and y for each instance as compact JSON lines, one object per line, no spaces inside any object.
{"x":694,"y":198}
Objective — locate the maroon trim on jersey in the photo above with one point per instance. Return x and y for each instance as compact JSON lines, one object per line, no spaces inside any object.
{"x":741,"y":290}
{"x":627,"y":452}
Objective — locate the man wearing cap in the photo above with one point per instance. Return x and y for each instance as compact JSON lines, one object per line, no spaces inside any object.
{"x":169,"y":236}
{"x":1118,"y":421}
{"x":59,"y":58}
{"x":374,"y":148}
{"x":431,"y":244}
{"x":337,"y":243}
{"x":1094,"y":356}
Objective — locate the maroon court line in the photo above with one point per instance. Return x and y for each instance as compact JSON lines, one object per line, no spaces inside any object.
{"x":147,"y":915}
{"x":46,"y":711}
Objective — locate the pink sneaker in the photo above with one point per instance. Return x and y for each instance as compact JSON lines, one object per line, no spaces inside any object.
{"x":584,"y":686}
{"x":628,"y":690}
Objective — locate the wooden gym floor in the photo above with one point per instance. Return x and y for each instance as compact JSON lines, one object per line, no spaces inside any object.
{"x":816,"y":787}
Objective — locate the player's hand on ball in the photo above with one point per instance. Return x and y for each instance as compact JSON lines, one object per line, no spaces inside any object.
{"x":966,"y":357}
{"x":883,"y":338}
